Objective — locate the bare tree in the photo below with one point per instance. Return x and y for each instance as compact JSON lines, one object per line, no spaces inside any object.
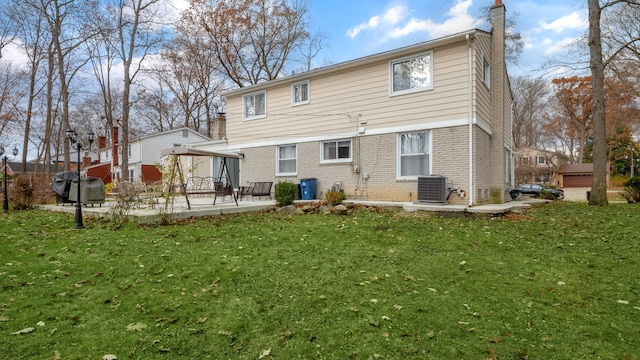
{"x":190,"y":69}
{"x":530,"y":103}
{"x":7,"y":31}
{"x":139,"y":33}
{"x":66,"y":21}
{"x":251,"y":39}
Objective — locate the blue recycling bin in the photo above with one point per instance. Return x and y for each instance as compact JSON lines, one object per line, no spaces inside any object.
{"x":308,"y":188}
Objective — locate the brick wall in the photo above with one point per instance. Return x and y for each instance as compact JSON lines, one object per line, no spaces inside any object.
{"x":372,"y":173}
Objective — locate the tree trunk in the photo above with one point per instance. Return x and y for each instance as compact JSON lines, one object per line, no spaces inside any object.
{"x":599,"y":185}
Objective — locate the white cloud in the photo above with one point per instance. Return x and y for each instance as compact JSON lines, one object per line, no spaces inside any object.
{"x":553,"y":46}
{"x":393,"y":23}
{"x":573,"y":21}
{"x":458,"y":20}
{"x":13,"y":54}
{"x":392,"y":16}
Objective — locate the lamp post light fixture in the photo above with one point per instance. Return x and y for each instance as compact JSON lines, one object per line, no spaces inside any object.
{"x":75,"y":141}
{"x":5,"y":201}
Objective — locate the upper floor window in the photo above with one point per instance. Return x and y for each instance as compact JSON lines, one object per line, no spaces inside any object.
{"x":333,"y":151}
{"x":542,"y":160}
{"x":286,"y":160}
{"x":412,"y":74}
{"x":254,"y":105}
{"x":413,"y":153}
{"x":300,"y":93}
{"x":486,"y":71}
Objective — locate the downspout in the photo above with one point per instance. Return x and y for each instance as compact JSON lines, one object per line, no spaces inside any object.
{"x":513,"y":160}
{"x":471,"y":184}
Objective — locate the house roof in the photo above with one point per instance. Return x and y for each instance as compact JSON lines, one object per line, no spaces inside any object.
{"x":163,"y":133}
{"x":578,"y":168}
{"x":16,"y":166}
{"x":362,"y":61}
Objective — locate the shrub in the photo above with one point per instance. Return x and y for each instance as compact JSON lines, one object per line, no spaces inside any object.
{"x":109,"y":187}
{"x":285,"y":193}
{"x":23,"y":193}
{"x":335,"y":198}
{"x":547,"y":195}
{"x":632,"y":190}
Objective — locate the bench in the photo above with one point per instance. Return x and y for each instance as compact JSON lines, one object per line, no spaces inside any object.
{"x":216,"y":188}
{"x":259,"y":189}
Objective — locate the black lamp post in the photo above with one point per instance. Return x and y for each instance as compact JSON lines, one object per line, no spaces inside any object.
{"x":5,"y":202}
{"x":75,"y":141}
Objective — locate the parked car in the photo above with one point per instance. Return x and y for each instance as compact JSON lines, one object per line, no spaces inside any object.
{"x":538,"y":190}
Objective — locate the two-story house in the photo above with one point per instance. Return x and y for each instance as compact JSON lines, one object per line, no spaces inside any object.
{"x":143,"y":152}
{"x":380,"y":123}
{"x":538,"y":166}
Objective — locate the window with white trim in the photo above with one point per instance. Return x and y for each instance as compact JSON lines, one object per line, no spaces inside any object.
{"x":254,"y":105}
{"x":486,"y":72}
{"x":413,"y":154}
{"x":412,"y":74}
{"x":300,"y":93}
{"x":336,"y":151}
{"x":542,"y":160}
{"x":286,"y":158}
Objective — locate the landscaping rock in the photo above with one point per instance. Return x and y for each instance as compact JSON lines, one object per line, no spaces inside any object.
{"x":340,"y":210}
{"x":289,"y":209}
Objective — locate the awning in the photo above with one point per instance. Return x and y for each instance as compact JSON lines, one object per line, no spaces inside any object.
{"x":179,"y":150}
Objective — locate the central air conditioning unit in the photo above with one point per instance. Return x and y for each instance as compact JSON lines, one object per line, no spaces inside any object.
{"x":432,"y":189}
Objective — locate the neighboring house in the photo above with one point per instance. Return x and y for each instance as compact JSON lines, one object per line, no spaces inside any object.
{"x":378,"y":124}
{"x":143,"y":152}
{"x":15,"y":168}
{"x":579,"y":175}
{"x":538,"y":166}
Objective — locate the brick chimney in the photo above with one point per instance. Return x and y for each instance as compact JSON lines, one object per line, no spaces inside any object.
{"x":500,"y":122}
{"x":114,"y":145}
{"x":102,"y":143}
{"x":219,"y":126}
{"x":86,"y":161}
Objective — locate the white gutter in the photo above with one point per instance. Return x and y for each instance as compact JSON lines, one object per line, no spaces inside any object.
{"x":470,"y":192}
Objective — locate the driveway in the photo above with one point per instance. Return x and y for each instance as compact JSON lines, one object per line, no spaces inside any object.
{"x":576,"y":194}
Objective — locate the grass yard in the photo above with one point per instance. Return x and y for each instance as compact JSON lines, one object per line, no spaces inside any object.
{"x":560,"y":281}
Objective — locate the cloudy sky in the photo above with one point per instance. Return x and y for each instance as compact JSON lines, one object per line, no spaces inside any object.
{"x":356,"y":28}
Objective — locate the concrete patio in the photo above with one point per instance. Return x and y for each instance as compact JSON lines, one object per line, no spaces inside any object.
{"x":203,"y":207}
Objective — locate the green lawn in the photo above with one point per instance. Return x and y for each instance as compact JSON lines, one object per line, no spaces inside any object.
{"x":559,"y":281}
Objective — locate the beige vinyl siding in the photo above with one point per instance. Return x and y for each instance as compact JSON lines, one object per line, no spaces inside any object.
{"x":508,"y":112}
{"x":482,"y":95}
{"x":363,"y":91}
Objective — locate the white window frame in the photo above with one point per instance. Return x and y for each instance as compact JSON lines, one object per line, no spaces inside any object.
{"x":541,"y":160}
{"x":337,"y":159}
{"x":278,"y":159}
{"x":486,"y":72}
{"x":399,"y":155}
{"x":293,"y":93}
{"x":429,"y":86}
{"x":246,"y":116}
